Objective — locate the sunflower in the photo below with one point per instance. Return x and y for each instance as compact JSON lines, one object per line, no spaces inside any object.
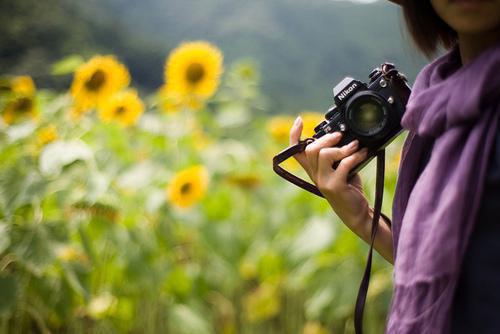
{"x":97,"y":79}
{"x":279,"y":128}
{"x":246,"y":71}
{"x":310,"y":119}
{"x":5,"y":86}
{"x":19,"y":86}
{"x":194,"y":69}
{"x":47,"y":135}
{"x":124,"y":107}
{"x":23,"y":85}
{"x":19,"y":108}
{"x":172,"y":101}
{"x":76,"y":112}
{"x":188,"y":186}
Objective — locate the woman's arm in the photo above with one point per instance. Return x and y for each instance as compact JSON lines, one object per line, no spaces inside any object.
{"x":345,"y":195}
{"x":383,"y":240}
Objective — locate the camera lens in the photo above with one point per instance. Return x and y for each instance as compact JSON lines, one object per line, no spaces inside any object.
{"x":367,"y":115}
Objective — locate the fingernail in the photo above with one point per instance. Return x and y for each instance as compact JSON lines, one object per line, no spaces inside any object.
{"x":297,"y":121}
{"x":353,"y":144}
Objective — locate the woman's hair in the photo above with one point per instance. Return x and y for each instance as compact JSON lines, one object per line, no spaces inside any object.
{"x":428,"y":30}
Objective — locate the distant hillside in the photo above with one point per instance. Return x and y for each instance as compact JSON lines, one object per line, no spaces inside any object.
{"x":303,"y":47}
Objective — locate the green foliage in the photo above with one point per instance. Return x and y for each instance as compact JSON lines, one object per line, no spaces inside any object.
{"x":90,"y":243}
{"x":67,"y":65}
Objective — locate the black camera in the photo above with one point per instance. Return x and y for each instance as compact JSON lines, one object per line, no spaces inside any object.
{"x":370,"y":113}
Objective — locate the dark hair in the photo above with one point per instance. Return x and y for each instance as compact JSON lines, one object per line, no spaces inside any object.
{"x":428,"y":30}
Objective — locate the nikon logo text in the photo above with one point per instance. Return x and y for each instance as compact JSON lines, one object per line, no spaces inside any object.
{"x":347,"y":91}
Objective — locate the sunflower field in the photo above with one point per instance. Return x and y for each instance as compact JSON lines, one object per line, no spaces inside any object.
{"x":126,"y":212}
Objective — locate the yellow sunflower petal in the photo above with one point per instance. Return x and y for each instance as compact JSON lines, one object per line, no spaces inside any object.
{"x":279,"y":128}
{"x":188,"y":186}
{"x":194,"y":68}
{"x":23,"y":85}
{"x":172,"y":101}
{"x":76,"y":112}
{"x":20,"y":108}
{"x":97,"y":79}
{"x":124,"y":107}
{"x":310,"y":119}
{"x":47,"y":135}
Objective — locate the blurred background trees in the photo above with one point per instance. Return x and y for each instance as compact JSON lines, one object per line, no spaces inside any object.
{"x":303,"y":47}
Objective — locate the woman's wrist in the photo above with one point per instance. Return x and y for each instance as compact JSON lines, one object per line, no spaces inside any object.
{"x":383,"y":240}
{"x":360,"y":224}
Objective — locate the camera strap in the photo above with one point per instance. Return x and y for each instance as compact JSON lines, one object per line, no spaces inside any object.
{"x":290,"y":152}
{"x":377,"y":213}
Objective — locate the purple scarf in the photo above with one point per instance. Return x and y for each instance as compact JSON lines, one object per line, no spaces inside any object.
{"x":435,"y":209}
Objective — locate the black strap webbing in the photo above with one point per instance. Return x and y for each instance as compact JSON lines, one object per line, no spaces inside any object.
{"x":363,"y":287}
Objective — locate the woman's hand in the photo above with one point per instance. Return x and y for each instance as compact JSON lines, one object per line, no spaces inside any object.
{"x":345,"y":196}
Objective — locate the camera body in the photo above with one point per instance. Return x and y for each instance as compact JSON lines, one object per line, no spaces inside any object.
{"x":370,"y":113}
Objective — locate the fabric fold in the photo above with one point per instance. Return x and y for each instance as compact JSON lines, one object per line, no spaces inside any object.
{"x":456,"y":109}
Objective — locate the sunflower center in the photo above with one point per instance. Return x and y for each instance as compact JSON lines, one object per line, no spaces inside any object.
{"x":23,"y":104}
{"x":120,"y":110}
{"x":5,"y":88}
{"x":186,"y":188}
{"x":195,"y":72}
{"x":96,"y":80}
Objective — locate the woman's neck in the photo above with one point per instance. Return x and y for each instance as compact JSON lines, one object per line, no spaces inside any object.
{"x":472,"y":45}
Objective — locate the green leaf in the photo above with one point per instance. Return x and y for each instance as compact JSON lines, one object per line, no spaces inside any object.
{"x":19,"y":187}
{"x":4,"y":237}
{"x":98,"y":184}
{"x":8,"y":293}
{"x":186,"y":321}
{"x":233,"y":115}
{"x":74,"y":281}
{"x":318,"y":302}
{"x":33,"y":248}
{"x":67,"y":65}
{"x":138,"y":176}
{"x":58,"y":154}
{"x":179,"y":282}
{"x":20,"y":131}
{"x":316,"y":236}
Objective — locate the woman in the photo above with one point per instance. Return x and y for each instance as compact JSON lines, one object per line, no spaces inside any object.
{"x":445,"y":235}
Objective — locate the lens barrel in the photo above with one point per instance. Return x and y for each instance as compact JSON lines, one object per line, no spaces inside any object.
{"x":367,"y":114}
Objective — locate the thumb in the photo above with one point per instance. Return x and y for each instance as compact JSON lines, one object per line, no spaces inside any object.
{"x":296,"y":131}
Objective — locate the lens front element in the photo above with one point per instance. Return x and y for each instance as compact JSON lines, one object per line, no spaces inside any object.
{"x":367,"y":115}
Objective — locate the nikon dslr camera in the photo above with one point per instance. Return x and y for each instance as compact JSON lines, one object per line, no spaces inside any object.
{"x":370,"y":113}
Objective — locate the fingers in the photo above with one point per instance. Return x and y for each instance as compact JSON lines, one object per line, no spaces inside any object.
{"x":349,"y":163}
{"x":312,"y":150}
{"x":327,"y":156}
{"x":296,"y":131}
{"x":319,"y":156}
